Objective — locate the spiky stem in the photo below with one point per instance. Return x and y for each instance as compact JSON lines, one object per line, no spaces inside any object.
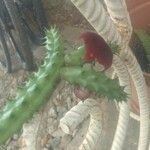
{"x":75,"y":58}
{"x":36,"y":91}
{"x":94,"y":81}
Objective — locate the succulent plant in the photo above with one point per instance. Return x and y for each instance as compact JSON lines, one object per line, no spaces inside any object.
{"x":40,"y":86}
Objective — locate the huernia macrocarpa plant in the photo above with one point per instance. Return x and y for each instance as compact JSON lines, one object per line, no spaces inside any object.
{"x":41,"y":84}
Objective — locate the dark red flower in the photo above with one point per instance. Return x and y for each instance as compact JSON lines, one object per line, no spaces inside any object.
{"x":97,"y":49}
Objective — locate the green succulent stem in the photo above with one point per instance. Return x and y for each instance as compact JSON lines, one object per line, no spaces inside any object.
{"x":35,"y":92}
{"x":75,"y":58}
{"x":94,"y":81}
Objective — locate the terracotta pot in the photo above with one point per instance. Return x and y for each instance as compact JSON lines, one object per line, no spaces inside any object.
{"x":139,"y":12}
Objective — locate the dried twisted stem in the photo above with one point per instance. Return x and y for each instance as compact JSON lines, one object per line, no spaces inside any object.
{"x":141,"y":88}
{"x":76,"y":115}
{"x":119,"y":14}
{"x":124,"y":115}
{"x":95,"y":13}
{"x":122,"y":17}
{"x":94,"y":131}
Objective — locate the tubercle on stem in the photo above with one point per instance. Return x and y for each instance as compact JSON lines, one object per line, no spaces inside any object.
{"x":34,"y":93}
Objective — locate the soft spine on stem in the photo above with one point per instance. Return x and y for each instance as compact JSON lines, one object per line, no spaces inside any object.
{"x":35,"y":92}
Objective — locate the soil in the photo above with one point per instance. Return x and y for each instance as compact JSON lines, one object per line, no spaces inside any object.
{"x":65,"y":13}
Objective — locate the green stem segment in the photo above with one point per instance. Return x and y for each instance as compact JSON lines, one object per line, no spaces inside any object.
{"x":75,"y":58}
{"x":36,"y":91}
{"x":95,"y":81}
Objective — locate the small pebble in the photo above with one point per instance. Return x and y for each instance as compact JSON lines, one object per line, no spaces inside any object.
{"x":52,"y":112}
{"x":69,"y":103}
{"x":55,"y":142}
{"x":15,"y":136}
{"x":53,"y":127}
{"x":58,"y":133}
{"x":45,"y":148}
